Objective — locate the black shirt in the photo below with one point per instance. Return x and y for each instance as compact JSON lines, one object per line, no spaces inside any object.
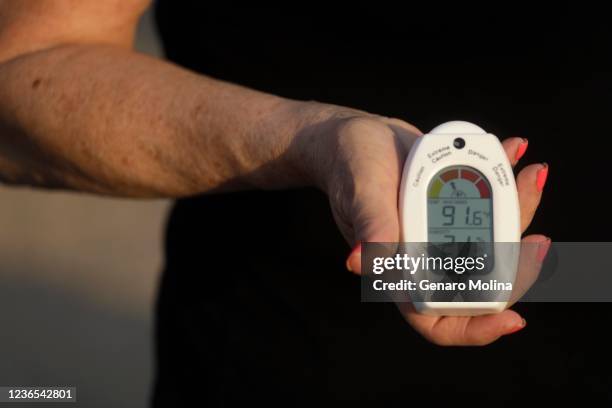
{"x":255,"y":303}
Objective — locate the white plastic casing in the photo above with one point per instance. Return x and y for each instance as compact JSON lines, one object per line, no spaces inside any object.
{"x":482,"y":151}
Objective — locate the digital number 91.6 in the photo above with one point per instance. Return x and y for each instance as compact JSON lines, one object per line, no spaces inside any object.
{"x":471,"y":218}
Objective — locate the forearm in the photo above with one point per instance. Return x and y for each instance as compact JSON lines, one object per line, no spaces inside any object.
{"x":104,"y":119}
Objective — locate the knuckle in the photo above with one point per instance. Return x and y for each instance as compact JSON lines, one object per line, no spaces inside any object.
{"x":363,"y":126}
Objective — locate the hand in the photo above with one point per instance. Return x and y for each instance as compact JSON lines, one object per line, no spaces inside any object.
{"x":361,"y":174}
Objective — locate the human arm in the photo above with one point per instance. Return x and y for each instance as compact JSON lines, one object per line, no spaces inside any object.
{"x":80,"y":110}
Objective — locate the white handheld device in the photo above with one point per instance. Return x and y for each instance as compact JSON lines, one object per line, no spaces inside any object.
{"x":458,"y":186}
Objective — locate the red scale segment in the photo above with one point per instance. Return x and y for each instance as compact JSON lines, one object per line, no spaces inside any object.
{"x":469,"y":175}
{"x":472,"y":176}
{"x":484,"y":189}
{"x":450,"y":175}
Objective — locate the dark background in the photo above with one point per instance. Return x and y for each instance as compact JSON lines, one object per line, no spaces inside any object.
{"x":288,"y":327}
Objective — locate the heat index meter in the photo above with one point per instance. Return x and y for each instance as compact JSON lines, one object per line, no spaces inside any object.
{"x":458,"y":188}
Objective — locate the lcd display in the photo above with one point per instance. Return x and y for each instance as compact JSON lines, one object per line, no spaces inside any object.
{"x":459,"y":206}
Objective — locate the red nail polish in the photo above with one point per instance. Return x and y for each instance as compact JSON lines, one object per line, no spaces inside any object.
{"x":355,"y":252}
{"x":541,"y":177}
{"x":521,"y":149}
{"x":543,"y":248}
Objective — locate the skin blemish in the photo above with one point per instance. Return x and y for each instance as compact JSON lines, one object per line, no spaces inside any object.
{"x":36,"y":83}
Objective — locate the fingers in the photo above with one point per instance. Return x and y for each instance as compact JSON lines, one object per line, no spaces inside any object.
{"x":530,"y":183}
{"x":378,"y":222}
{"x":533,"y":251}
{"x":400,"y":126}
{"x":482,"y":330}
{"x":464,"y":331}
{"x":515,"y":148}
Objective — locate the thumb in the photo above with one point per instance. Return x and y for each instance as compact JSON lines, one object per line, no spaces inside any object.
{"x":376,"y":220}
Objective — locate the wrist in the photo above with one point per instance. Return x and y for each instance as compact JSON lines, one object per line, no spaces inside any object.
{"x":311,"y":150}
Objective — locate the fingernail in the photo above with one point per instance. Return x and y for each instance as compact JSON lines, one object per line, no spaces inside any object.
{"x":354,"y":253}
{"x":543,"y":248}
{"x":521,"y":326}
{"x":541,"y":177}
{"x":521,"y":149}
